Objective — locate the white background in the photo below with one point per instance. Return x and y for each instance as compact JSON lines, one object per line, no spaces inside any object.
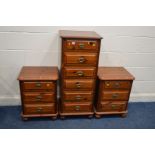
{"x":81,"y":13}
{"x":130,"y":46}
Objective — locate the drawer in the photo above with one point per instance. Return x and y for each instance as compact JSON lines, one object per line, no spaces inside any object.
{"x":78,"y":96}
{"x":117,"y":84}
{"x":113,"y":106}
{"x":73,"y":107}
{"x":78,"y":84}
{"x":79,"y":71}
{"x":115,"y":95}
{"x":81,"y":45}
{"x":38,"y":97}
{"x":39,"y":109}
{"x":38,"y":85}
{"x":80,"y":58}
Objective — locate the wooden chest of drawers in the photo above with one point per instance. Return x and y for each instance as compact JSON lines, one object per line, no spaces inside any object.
{"x":114,"y":90}
{"x":79,"y":64}
{"x":38,"y":87}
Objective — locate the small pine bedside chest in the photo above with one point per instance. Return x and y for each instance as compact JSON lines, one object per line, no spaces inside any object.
{"x":38,"y":88}
{"x":114,"y":87}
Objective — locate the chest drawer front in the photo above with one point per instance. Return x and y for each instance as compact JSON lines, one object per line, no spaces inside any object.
{"x":79,"y":72}
{"x":39,"y":109}
{"x":38,"y":85}
{"x":78,"y":96}
{"x":115,"y":95}
{"x":80,"y":58}
{"x":117,"y":84}
{"x":75,"y":107}
{"x":38,"y":97}
{"x":78,"y":84}
{"x":113,"y":106}
{"x":81,"y":45}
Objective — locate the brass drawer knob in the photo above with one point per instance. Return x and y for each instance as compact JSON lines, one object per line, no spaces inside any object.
{"x":38,"y":84}
{"x":117,"y":85}
{"x":77,"y":108}
{"x":92,"y":44}
{"x":71,"y":45}
{"x":39,"y":109}
{"x":114,"y":96}
{"x":78,"y":97}
{"x":107,"y":84}
{"x":82,"y":60}
{"x":48,"y":85}
{"x":80,"y":73}
{"x":81,"y":46}
{"x":113,"y":106}
{"x":38,"y":98}
{"x":78,"y":85}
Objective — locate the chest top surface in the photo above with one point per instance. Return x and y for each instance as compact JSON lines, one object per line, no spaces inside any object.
{"x":114,"y":73}
{"x":38,"y":73}
{"x":79,"y":34}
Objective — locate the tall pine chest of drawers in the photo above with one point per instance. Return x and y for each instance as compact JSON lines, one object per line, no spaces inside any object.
{"x":79,"y":65}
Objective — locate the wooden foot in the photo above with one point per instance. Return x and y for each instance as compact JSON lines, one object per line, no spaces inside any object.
{"x":25,"y":118}
{"x":97,"y":116}
{"x":124,"y":115}
{"x":62,"y":117}
{"x":54,"y":118}
{"x":90,"y":116}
